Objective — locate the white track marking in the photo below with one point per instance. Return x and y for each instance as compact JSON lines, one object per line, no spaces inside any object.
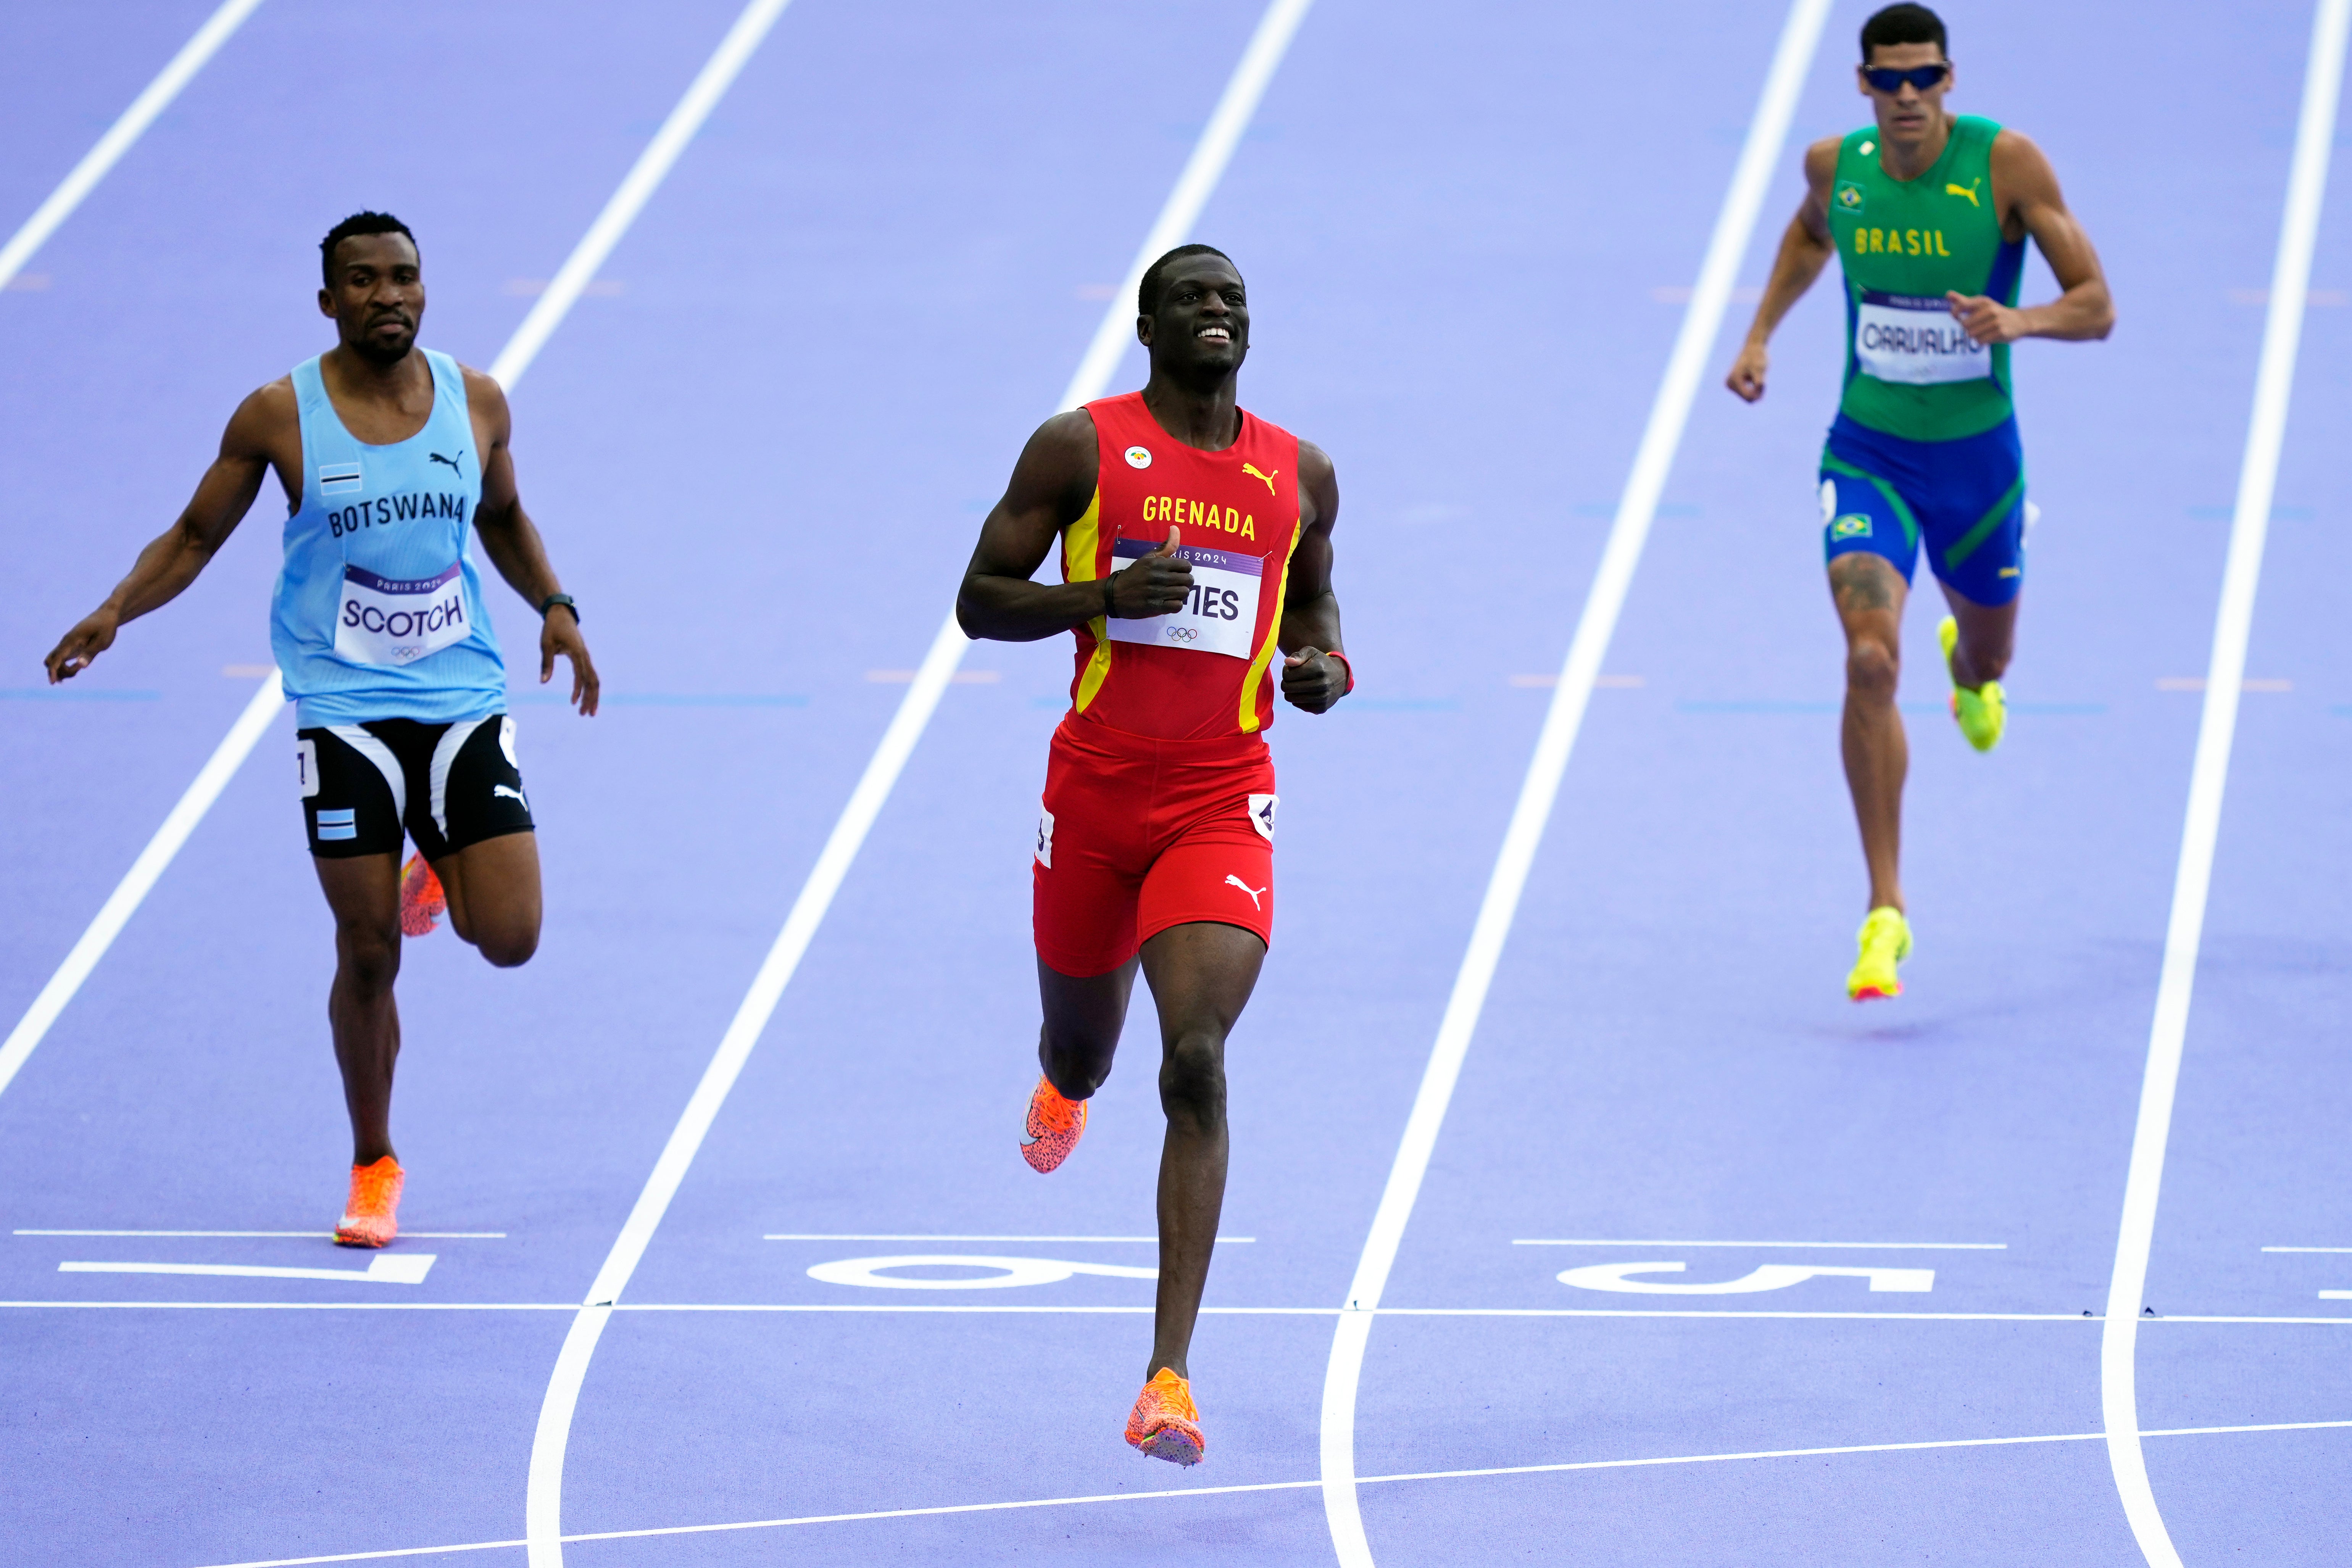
{"x":1221,"y":1241}
{"x":652,"y":166}
{"x":543,"y":1498}
{"x":1864,"y":1245}
{"x":384,"y":1269}
{"x":119,"y":136}
{"x":1635,"y":511}
{"x":305,"y":1235}
{"x":1174,"y":1492}
{"x":2338,"y":1321}
{"x":1763,"y":1277}
{"x":2224,"y":679}
{"x":124,"y":901}
{"x":1011,"y":1272}
{"x":2294,"y":1248}
{"x":523,"y":347}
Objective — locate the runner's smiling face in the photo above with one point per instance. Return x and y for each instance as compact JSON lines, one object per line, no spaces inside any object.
{"x":378,"y":296}
{"x":1908,"y":114}
{"x":1202,"y":322}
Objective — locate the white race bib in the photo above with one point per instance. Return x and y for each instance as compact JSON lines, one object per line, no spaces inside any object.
{"x":1915,"y":341}
{"x":391,"y":620}
{"x":1218,"y":617}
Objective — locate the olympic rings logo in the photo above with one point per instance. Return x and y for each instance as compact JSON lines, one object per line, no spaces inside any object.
{"x":1183,"y":634}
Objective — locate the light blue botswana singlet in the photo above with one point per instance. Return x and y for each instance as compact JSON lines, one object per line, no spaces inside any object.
{"x":378,"y":613}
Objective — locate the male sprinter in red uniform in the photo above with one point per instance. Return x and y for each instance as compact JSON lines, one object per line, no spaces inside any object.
{"x":1196,"y":540}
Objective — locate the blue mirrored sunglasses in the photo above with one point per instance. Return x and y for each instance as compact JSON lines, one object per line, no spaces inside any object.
{"x":1921,"y":76}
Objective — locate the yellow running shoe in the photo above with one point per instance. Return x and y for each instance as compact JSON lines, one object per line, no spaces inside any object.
{"x":371,"y":1213}
{"x":1054,"y":1126}
{"x":1984,"y":712}
{"x":1885,"y":942}
{"x":1165,"y":1422}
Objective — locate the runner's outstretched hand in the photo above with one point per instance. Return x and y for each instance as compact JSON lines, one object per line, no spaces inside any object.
{"x":560,"y":633}
{"x":75,"y":651}
{"x":1153,"y":585}
{"x":1312,"y":680}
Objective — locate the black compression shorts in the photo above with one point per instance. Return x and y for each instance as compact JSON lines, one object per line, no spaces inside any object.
{"x":447,"y":785}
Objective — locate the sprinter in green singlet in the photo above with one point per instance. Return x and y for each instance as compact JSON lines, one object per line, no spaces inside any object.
{"x":1928,"y":214}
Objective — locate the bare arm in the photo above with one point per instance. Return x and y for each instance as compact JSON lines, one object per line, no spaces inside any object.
{"x":1805,"y":250}
{"x":174,"y":558}
{"x":512,"y":543}
{"x":1051,"y":488}
{"x":1311,"y":679}
{"x":2025,"y":190}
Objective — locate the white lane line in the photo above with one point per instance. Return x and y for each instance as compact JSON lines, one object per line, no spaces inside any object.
{"x":523,"y":347}
{"x":85,"y":176}
{"x":384,"y":1269}
{"x":2234,"y":623}
{"x":1221,"y":1241}
{"x":1865,"y":1245}
{"x":2339,"y":1320}
{"x":579,"y":268}
{"x":543,"y":1504}
{"x":306,"y":1234}
{"x":2307,"y":1249}
{"x":124,"y":901}
{"x":1635,"y":511}
{"x":1283,"y":1487}
{"x":303,"y":1306}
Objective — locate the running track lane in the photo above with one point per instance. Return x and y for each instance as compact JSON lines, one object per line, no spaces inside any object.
{"x":1666,"y":1054}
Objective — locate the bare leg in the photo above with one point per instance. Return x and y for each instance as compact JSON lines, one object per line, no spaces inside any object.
{"x":1201,"y":975}
{"x":1988,"y":637}
{"x":1870,"y":595}
{"x":363,"y":892}
{"x":1083,"y":1019}
{"x":494,"y":898}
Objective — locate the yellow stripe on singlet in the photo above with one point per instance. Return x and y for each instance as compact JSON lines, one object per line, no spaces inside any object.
{"x":1273,"y":637}
{"x":1081,"y":545}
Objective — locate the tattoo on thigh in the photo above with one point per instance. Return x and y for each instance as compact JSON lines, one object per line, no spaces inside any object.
{"x":1864,"y":590}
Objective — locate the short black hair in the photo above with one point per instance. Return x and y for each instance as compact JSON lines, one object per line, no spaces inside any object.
{"x":351,"y":227}
{"x":1147,"y":293}
{"x":1904,"y":24}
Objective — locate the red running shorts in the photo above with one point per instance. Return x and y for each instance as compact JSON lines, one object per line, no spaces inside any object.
{"x":1139,"y":834}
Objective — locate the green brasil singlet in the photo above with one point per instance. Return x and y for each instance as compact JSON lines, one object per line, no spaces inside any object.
{"x":1910,"y":367}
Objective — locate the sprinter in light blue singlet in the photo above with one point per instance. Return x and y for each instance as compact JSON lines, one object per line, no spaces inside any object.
{"x":393,"y":461}
{"x":378,"y":613}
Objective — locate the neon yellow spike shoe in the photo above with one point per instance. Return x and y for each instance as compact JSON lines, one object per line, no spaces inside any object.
{"x":1885,"y":942}
{"x":1984,"y":712}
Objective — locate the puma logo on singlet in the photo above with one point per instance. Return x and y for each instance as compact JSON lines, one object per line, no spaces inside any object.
{"x":1969,"y":190}
{"x":437,"y":458}
{"x":1251,"y":469}
{"x":498,"y":790}
{"x":1245,"y":888}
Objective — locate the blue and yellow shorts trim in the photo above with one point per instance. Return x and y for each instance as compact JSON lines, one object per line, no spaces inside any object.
{"x":1963,"y":501}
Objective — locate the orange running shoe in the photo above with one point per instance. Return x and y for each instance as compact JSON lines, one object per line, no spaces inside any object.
{"x":1166,"y":1424}
{"x":1054,"y":1126}
{"x":371,"y":1213}
{"x":422,"y":901}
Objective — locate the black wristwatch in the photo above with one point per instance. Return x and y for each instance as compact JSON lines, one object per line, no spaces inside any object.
{"x":563,"y":599}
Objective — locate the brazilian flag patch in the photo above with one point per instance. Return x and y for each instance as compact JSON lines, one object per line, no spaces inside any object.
{"x":1847,"y":198}
{"x":1852,"y":525}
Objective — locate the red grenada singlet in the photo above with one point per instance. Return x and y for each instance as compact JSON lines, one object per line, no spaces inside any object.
{"x":1201,"y":673}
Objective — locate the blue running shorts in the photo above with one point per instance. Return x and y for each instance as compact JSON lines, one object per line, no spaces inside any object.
{"x":1964,"y":501}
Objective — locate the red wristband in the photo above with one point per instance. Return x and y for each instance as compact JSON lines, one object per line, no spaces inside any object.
{"x":1351,"y":668}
